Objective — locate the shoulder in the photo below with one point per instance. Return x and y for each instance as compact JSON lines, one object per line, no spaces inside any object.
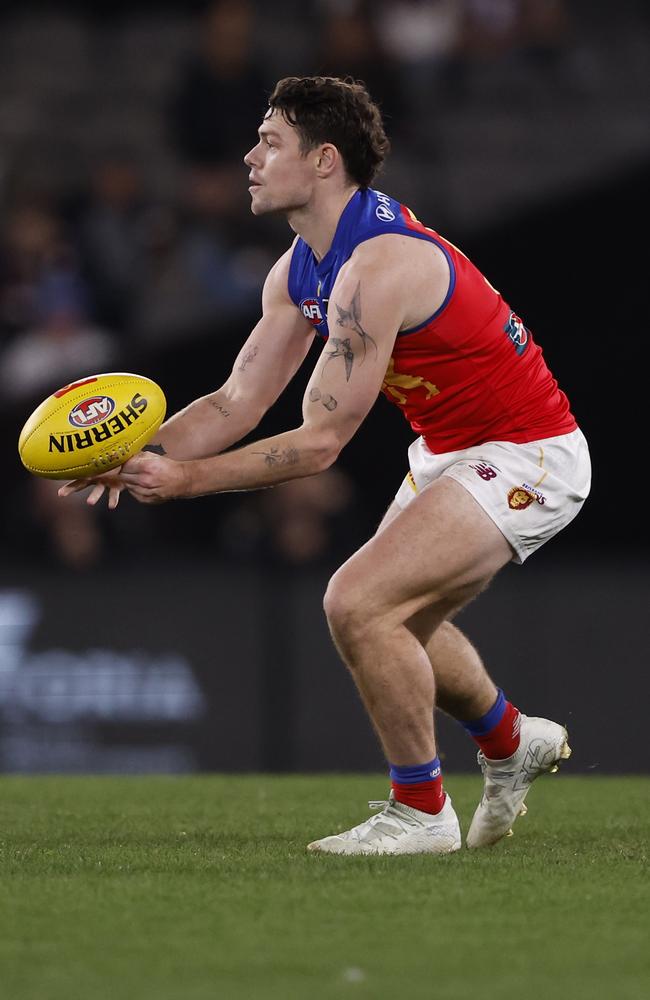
{"x":276,"y":286}
{"x":410,"y":278}
{"x":398,"y":259}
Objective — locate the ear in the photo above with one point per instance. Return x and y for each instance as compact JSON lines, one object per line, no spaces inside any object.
{"x":327,"y":159}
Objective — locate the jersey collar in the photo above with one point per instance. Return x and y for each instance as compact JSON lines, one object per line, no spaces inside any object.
{"x":345,"y":224}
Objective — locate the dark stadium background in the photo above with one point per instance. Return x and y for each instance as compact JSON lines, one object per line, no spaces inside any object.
{"x":191,"y":636}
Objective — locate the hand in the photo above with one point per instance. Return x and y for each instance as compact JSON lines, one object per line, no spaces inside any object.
{"x":153,"y":479}
{"x":107,"y":481}
{"x":147,"y":477}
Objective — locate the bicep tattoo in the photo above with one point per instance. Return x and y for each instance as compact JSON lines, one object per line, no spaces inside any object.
{"x":315,"y":395}
{"x":350,"y":318}
{"x":341,"y":349}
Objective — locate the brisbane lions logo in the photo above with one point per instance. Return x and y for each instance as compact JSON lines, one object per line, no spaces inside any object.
{"x":520,"y":498}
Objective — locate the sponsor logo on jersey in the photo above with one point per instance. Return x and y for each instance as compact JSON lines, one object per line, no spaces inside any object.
{"x":519,"y":498}
{"x":79,"y":440}
{"x":91,"y":411}
{"x":384,"y":214}
{"x":312,"y":311}
{"x":484,"y":471}
{"x":518,"y":333}
{"x":383,"y":211}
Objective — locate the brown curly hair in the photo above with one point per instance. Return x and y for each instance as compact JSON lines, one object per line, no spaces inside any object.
{"x":340,"y":111}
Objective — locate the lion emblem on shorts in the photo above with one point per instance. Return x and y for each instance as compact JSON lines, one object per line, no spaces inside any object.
{"x":520,"y":498}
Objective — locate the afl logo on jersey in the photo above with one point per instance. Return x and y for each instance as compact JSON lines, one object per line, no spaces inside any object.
{"x":517,"y":332}
{"x":311,"y":310}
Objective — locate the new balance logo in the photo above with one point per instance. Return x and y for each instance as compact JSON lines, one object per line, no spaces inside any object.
{"x":484,"y":471}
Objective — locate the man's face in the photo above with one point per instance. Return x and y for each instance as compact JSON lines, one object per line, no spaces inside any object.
{"x":281,"y":176}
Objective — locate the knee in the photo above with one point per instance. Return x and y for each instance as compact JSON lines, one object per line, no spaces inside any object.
{"x":345,"y":609}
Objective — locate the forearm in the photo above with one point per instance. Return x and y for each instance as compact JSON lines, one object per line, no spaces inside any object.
{"x":278,"y":459}
{"x":205,"y":427}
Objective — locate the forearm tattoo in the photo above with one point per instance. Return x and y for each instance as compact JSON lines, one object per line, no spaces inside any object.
{"x":350,"y":319}
{"x":328,"y":401}
{"x":157,"y":449}
{"x":219,"y":408}
{"x":247,"y":358}
{"x":290,"y":456}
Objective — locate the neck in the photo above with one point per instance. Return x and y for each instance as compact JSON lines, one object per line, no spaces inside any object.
{"x":316,"y":223}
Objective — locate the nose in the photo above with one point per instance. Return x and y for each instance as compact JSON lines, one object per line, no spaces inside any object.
{"x":248,"y":159}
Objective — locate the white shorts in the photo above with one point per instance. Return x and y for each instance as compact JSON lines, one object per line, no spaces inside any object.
{"x":531,"y":491}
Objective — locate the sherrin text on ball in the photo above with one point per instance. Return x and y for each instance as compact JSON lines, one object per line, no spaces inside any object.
{"x":91,"y":426}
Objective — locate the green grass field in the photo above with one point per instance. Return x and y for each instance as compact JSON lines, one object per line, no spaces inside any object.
{"x":196,"y":888}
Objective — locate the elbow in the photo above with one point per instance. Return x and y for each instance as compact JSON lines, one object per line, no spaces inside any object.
{"x":326,"y":451}
{"x":254,"y":417}
{"x":249,"y":412}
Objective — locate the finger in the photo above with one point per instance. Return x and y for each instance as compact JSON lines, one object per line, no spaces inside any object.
{"x":127,"y":476}
{"x":144,"y":495}
{"x":73,"y":487}
{"x":139,"y":492}
{"x":95,"y":494}
{"x":138,"y":462}
{"x":113,"y":497}
{"x":142,"y":480}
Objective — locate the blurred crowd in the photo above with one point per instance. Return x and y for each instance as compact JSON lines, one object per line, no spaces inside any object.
{"x":111,"y":272}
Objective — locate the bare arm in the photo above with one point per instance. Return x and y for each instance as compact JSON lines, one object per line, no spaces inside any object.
{"x":370,"y":302}
{"x":265,"y":365}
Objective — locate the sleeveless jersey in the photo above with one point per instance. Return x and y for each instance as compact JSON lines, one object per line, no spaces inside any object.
{"x":471,"y":372}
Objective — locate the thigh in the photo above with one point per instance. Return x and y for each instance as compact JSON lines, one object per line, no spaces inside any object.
{"x":441,"y":549}
{"x":389,"y":516}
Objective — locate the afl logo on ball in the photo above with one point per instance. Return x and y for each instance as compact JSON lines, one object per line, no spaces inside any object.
{"x":91,"y":411}
{"x":311,"y":310}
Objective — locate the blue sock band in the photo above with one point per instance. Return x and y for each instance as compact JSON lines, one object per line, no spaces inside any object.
{"x":479,"y":727}
{"x":411,"y":773}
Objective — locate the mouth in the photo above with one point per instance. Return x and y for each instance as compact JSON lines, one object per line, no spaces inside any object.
{"x":254,"y":185}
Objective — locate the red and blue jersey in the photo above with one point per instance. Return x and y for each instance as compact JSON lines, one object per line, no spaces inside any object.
{"x":469,"y":373}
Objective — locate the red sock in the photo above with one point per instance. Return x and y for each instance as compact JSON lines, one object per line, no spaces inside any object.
{"x":427,"y":796}
{"x":503,"y":739}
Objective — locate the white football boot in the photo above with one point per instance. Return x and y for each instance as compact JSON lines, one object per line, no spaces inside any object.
{"x":543,"y":744}
{"x":397,"y":829}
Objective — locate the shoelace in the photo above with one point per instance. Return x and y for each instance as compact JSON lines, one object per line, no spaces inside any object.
{"x":401,"y":823}
{"x":493,"y":773}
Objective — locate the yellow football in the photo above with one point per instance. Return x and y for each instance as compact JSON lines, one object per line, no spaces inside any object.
{"x":91,"y":426}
